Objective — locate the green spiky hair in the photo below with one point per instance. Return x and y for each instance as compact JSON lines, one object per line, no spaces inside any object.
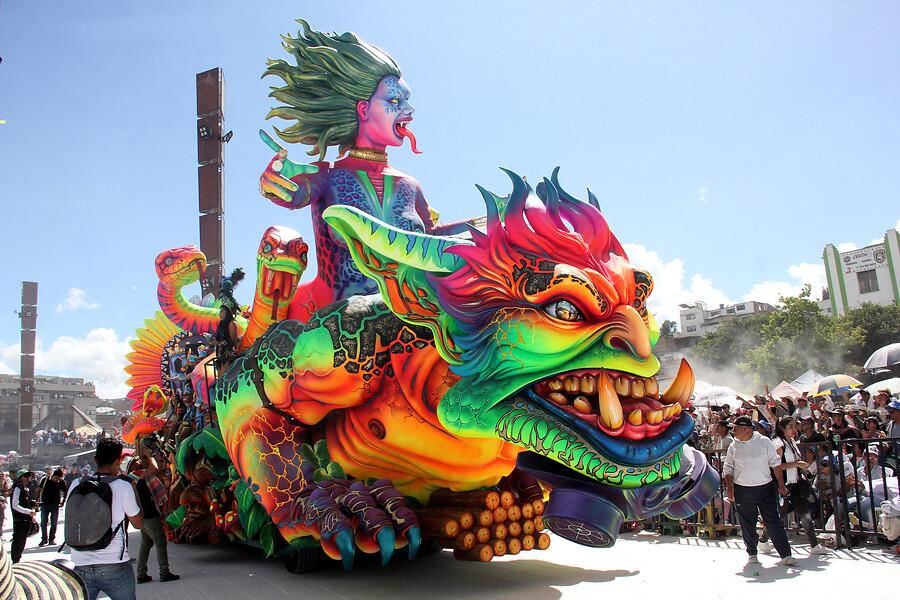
{"x":333,"y":73}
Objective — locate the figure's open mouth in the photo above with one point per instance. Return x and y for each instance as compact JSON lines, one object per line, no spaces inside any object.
{"x":619,"y":404}
{"x":275,"y":280}
{"x":400,"y":127}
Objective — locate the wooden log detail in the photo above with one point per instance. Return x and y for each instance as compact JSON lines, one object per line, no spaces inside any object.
{"x":528,"y":527}
{"x":465,"y":518}
{"x":527,"y":542}
{"x":527,"y":511}
{"x":500,"y":514}
{"x":514,"y":512}
{"x":465,"y":541}
{"x":499,"y":547}
{"x":539,"y":524}
{"x":484,"y":499}
{"x":437,"y":526}
{"x":486,"y":518}
{"x":507,"y":499}
{"x":500,"y":531}
{"x":480,"y":553}
{"x":483,"y":535}
{"x":538,"y":506}
{"x":542,"y":542}
{"x":513,"y":545}
{"x":514,"y":529}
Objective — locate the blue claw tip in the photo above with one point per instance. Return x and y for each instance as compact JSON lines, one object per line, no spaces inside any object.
{"x":414,"y":538}
{"x":386,"y":539}
{"x":344,"y":542}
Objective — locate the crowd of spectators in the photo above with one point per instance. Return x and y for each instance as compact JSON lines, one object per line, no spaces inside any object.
{"x":848,"y":446}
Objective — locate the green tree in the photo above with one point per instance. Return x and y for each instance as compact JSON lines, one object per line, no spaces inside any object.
{"x":668,"y":328}
{"x":880,"y":326}
{"x":770,"y":347}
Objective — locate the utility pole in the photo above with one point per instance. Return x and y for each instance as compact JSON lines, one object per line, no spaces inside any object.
{"x":210,"y":145}
{"x":28,"y":316}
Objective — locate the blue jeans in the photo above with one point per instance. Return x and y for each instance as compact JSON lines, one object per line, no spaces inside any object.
{"x":117,"y":580}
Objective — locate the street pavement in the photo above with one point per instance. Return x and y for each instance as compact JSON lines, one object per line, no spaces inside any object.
{"x":642,"y":565}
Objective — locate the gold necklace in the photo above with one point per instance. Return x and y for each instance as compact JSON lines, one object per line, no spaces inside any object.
{"x":369,"y":154}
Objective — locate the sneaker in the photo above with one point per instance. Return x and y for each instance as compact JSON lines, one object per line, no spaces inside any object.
{"x":169,"y":577}
{"x":819,"y":551}
{"x":752,"y":560}
{"x":787,"y":561}
{"x":766,"y":547}
{"x":144,"y":578}
{"x":42,"y":543}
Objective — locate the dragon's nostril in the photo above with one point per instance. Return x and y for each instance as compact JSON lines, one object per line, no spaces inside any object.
{"x":619,"y":343}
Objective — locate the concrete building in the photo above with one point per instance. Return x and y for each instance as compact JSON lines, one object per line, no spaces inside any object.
{"x":698,"y":320}
{"x":864,"y":275}
{"x":54,"y":398}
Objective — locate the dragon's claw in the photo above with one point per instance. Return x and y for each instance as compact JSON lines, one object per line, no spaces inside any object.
{"x":386,"y":540}
{"x":344,"y":543}
{"x":350,"y":515}
{"x":414,"y":539}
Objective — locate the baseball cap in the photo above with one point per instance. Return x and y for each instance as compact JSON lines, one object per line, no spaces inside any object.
{"x":22,"y":473}
{"x":893,"y":405}
{"x":745,"y":421}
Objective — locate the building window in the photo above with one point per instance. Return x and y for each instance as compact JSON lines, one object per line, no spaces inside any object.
{"x":692,"y":328}
{"x":729,"y":311}
{"x":690,"y":317}
{"x":741,"y":306}
{"x":868,"y":282}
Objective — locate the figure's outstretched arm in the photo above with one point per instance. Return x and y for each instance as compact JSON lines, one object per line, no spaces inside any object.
{"x":430,"y":216}
{"x":285,"y":182}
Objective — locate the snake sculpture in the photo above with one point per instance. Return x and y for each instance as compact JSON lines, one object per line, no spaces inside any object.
{"x":281,"y":260}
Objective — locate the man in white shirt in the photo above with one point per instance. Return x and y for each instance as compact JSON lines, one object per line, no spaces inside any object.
{"x":753,"y":491}
{"x":109,"y":569}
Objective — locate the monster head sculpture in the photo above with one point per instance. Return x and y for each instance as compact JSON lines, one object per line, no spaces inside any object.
{"x":546,"y":324}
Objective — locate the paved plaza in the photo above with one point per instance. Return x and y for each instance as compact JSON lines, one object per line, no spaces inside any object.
{"x":641,"y":566}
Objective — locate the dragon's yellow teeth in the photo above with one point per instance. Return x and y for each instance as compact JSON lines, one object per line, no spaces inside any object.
{"x":635,"y":417}
{"x":582,"y":405}
{"x":555,"y":385}
{"x":610,"y":407}
{"x":681,"y":387}
{"x":651,"y":386}
{"x":671,"y":410}
{"x":623,"y":388}
{"x":654,"y":417}
{"x":571,"y":384}
{"x":588,"y":384}
{"x":637,"y":388}
{"x":558,"y":398}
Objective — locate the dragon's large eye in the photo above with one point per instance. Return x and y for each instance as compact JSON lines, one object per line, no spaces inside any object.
{"x":169,"y":260}
{"x":267,"y":248}
{"x":564,"y":311}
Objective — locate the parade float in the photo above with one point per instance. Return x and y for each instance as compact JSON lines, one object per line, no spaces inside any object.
{"x":470,"y":385}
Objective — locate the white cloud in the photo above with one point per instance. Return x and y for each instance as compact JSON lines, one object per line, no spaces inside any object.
{"x":673,"y":287}
{"x":703,"y":194}
{"x":846,"y":246}
{"x":669,"y":286}
{"x":98,"y":357}
{"x":76,"y":300}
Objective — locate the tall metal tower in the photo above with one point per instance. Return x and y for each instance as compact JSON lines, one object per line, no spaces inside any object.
{"x":28,"y":316}
{"x":210,"y":145}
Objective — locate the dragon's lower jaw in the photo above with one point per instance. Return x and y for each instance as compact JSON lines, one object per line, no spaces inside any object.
{"x":277,"y":283}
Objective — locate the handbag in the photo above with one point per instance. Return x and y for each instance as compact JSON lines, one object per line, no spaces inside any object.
{"x":34,"y":528}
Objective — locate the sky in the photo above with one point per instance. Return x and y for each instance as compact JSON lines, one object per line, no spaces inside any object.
{"x":728,"y":143}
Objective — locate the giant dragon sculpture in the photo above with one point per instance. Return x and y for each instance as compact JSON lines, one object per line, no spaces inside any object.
{"x":423,"y":359}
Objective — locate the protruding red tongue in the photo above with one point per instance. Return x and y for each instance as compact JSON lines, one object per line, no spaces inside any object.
{"x":405,"y":132}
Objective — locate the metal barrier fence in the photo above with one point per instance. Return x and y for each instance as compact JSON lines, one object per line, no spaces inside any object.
{"x":863,"y":473}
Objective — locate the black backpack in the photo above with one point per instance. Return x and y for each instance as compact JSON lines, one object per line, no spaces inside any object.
{"x":89,"y":514}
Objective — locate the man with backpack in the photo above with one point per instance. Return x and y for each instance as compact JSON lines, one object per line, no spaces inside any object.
{"x":95,"y":529}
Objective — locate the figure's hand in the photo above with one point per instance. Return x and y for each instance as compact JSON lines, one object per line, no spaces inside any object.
{"x":275,"y":182}
{"x":802,"y":464}
{"x":783,"y":491}
{"x":730,"y":495}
